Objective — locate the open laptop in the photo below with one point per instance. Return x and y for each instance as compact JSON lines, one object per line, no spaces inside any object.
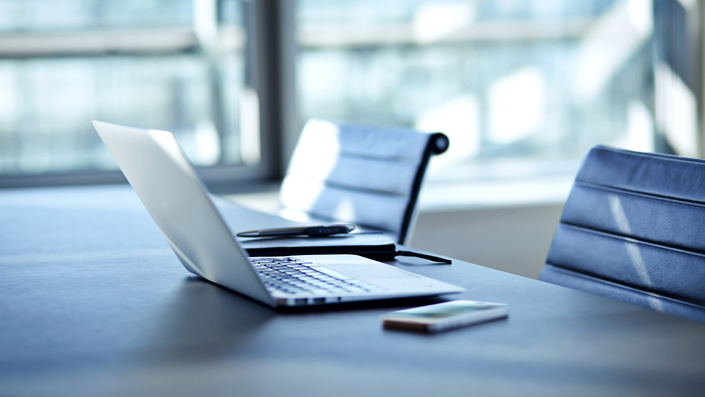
{"x":177,"y":200}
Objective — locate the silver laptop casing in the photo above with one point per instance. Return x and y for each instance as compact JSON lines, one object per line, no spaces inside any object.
{"x":173,"y":194}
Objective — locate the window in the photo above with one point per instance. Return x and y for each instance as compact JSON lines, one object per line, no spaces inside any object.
{"x":177,"y":65}
{"x":530,"y":82}
{"x":506,"y":80}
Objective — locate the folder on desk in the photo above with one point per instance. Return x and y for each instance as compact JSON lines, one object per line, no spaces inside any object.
{"x":377,"y":246}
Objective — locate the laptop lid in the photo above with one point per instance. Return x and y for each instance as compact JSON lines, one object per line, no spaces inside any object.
{"x":168,"y":186}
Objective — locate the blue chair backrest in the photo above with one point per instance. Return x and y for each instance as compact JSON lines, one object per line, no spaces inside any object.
{"x":369,"y":175}
{"x":633,"y":229}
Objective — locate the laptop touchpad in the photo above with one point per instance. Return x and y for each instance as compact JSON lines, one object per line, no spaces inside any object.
{"x":370,"y":271}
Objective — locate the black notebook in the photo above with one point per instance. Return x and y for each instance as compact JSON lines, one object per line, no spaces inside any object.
{"x":377,"y":246}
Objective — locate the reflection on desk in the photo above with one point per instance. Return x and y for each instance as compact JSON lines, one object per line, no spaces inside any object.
{"x":93,"y":302}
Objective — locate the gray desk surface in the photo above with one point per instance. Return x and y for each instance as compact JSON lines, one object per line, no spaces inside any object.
{"x":93,"y":302}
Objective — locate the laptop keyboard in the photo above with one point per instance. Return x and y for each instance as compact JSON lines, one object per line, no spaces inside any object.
{"x":296,"y":276}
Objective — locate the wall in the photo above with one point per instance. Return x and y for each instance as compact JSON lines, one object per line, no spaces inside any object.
{"x":512,"y":239}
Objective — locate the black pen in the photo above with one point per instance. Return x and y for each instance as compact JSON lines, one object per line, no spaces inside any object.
{"x":310,"y":231}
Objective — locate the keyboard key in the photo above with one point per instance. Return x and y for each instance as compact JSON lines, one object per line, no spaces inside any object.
{"x":294,"y":276}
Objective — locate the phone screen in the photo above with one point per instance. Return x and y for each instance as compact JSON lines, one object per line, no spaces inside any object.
{"x":447,"y":309}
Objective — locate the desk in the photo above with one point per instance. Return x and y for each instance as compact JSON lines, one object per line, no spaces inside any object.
{"x":93,"y":302}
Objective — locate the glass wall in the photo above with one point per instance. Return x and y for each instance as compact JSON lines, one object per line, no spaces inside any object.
{"x":504,"y":79}
{"x":174,"y":65}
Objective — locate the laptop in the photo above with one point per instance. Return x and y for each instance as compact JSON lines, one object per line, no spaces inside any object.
{"x":168,"y":186}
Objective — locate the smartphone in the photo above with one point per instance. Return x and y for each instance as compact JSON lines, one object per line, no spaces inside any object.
{"x":445,"y":316}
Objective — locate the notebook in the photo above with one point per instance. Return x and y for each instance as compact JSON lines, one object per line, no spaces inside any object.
{"x":373,"y":245}
{"x":178,"y":202}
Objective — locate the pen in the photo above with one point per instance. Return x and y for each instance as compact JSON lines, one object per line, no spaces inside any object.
{"x":310,"y":231}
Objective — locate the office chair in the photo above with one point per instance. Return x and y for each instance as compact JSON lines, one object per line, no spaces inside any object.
{"x":633,"y":229}
{"x":363,"y":174}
